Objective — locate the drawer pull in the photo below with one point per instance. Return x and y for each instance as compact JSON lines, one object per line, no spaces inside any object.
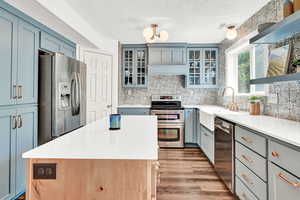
{"x":248,"y":140}
{"x":282,"y":177}
{"x":245,"y":177}
{"x":247,"y":159}
{"x":275,"y":154}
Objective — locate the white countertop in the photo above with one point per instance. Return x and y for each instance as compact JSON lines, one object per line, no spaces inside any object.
{"x":285,"y":130}
{"x":134,"y":106}
{"x":137,"y":140}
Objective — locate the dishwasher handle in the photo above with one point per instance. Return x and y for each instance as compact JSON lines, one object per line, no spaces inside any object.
{"x":224,"y":126}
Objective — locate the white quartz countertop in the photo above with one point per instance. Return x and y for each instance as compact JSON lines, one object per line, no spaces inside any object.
{"x":285,"y":130}
{"x":137,"y":140}
{"x":134,"y":106}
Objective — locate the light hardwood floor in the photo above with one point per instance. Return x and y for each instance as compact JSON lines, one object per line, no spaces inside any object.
{"x":186,"y":174}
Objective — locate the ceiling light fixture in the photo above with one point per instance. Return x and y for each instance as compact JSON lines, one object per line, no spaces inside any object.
{"x":151,"y":34}
{"x":231,"y":32}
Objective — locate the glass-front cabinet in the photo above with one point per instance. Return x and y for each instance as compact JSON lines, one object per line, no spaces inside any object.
{"x":203,"y":65}
{"x":135,"y":67}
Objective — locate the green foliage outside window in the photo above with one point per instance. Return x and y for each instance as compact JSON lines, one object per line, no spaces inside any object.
{"x":244,"y":72}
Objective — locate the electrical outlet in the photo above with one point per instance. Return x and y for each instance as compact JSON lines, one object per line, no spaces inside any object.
{"x":44,"y":171}
{"x":272,"y":99}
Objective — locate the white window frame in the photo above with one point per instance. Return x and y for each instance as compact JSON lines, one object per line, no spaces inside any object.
{"x":232,"y":64}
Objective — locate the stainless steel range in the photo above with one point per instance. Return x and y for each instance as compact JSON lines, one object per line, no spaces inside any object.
{"x":170,"y":117}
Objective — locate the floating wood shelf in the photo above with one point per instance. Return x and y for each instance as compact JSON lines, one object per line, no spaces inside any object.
{"x":279,"y":31}
{"x":288,"y":77}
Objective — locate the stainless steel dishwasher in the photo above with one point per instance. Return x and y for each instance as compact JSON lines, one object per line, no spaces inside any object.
{"x":224,"y":152}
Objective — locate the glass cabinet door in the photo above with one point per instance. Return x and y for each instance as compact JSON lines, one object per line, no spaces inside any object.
{"x":134,"y":67}
{"x":195,"y":65}
{"x":128,"y":62}
{"x":141,"y":67}
{"x":210,"y":67}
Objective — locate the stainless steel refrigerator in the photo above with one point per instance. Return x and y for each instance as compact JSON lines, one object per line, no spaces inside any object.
{"x":62,"y":96}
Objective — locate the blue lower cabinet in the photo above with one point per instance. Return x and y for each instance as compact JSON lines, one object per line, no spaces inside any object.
{"x":26,"y":139}
{"x":18,"y":135}
{"x":7,"y":153}
{"x":191,"y":129}
{"x":134,"y":111}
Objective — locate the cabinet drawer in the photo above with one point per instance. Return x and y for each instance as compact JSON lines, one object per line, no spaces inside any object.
{"x":282,"y":185}
{"x":255,"y":184}
{"x":242,"y":191}
{"x":252,"y":160}
{"x":253,"y":141}
{"x":285,"y":157}
{"x":134,"y":111}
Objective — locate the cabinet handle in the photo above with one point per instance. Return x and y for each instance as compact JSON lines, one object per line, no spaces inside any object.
{"x":20,"y":121}
{"x":248,"y":140}
{"x":14,"y":122}
{"x":275,"y":154}
{"x":15,"y":92}
{"x":282,"y":177}
{"x":247,"y":159}
{"x":247,"y":179}
{"x":20,"y":91}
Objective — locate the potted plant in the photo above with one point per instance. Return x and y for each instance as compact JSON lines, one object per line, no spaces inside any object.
{"x":296,"y":65}
{"x":254,"y":102}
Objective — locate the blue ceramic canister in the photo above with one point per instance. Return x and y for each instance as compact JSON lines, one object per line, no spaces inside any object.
{"x":115,"y":122}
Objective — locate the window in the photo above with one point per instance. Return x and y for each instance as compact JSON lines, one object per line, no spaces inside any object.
{"x":243,"y":63}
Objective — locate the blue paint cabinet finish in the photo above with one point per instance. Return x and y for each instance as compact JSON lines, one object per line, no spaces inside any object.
{"x":8,"y":53}
{"x":18,"y":135}
{"x":28,"y":44}
{"x":7,"y":158}
{"x":19,"y":57}
{"x":191,"y":132}
{"x":52,"y":44}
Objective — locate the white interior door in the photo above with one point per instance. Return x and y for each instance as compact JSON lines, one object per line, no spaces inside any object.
{"x":99,"y":84}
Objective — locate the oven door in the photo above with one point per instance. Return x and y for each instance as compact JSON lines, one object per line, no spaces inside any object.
{"x":171,"y":135}
{"x":169,"y":116}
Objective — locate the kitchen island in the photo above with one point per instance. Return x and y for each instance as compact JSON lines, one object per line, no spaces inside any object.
{"x":95,"y":163}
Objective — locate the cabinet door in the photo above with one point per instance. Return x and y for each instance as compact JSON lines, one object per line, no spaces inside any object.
{"x":195,"y":67}
{"x":68,"y":50}
{"x":49,"y":43}
{"x":178,"y":56}
{"x":189,"y":126}
{"x":155,"y":56}
{"x":282,"y":184}
{"x":8,"y":57}
{"x":210,"y":66}
{"x":26,"y":139}
{"x":128,"y":66}
{"x":141,"y":67}
{"x":27,"y":63}
{"x":7,"y":152}
{"x":166,"y":56}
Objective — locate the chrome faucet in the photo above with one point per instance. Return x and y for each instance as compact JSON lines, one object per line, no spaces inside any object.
{"x":232,"y":105}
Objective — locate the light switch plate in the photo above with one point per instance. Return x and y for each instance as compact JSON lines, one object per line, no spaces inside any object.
{"x":44,"y":170}
{"x":272,"y":99}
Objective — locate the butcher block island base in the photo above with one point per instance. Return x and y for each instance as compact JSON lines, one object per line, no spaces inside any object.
{"x":103,"y":168}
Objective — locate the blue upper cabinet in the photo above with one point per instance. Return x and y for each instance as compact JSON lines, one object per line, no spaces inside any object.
{"x":8,"y":53}
{"x":7,"y":153}
{"x":203,"y":68}
{"x":27,"y":63}
{"x":134,"y":67}
{"x":52,"y":44}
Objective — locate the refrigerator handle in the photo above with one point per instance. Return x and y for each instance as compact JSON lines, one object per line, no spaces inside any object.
{"x":78,"y":93}
{"x":73,"y":97}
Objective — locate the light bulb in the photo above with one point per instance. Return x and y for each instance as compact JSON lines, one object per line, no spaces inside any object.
{"x":148,"y":32}
{"x":163,"y":35}
{"x":231,"y":33}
